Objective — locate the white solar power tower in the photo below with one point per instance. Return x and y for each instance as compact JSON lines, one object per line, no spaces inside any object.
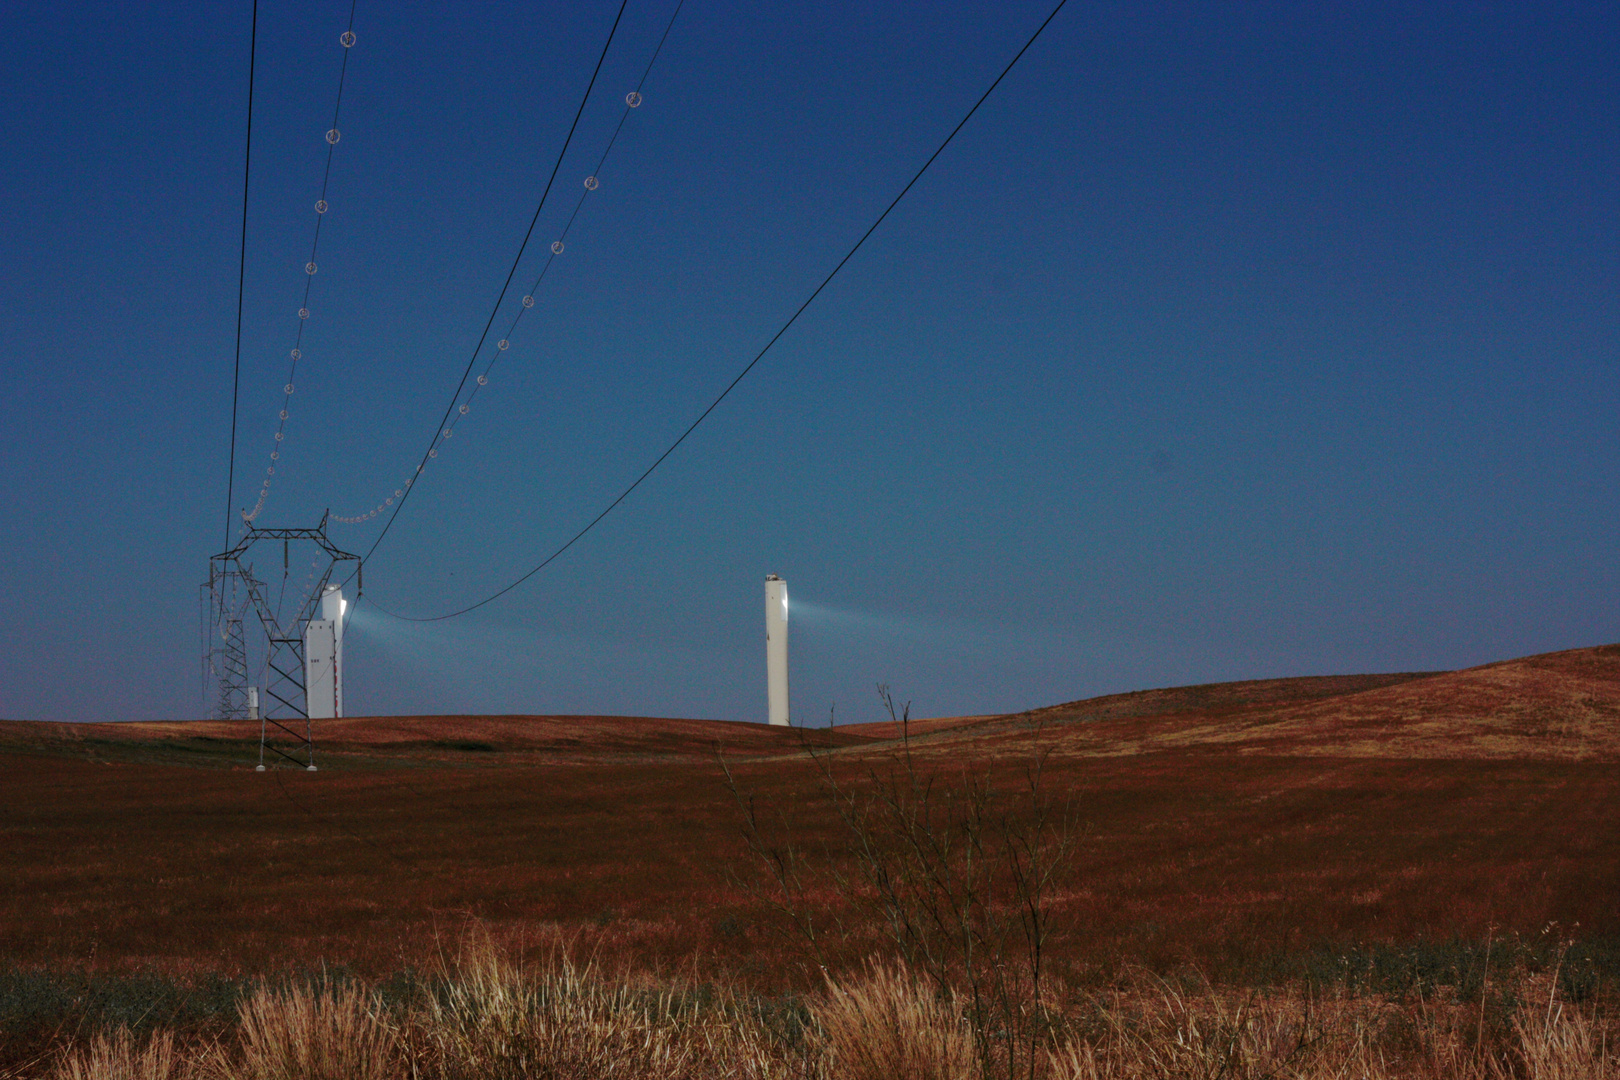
{"x":323,"y":657}
{"x":776,"y":649}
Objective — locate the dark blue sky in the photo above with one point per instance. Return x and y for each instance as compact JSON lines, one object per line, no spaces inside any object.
{"x":1226,"y":341}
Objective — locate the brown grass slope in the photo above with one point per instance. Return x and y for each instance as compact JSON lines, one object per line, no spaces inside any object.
{"x":1561,"y":706}
{"x":1141,"y":711}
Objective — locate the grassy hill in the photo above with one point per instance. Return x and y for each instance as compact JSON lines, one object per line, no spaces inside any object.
{"x":1222,"y":826}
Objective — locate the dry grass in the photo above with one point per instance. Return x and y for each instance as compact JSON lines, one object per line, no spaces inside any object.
{"x":1221,"y":834}
{"x":885,"y":1026}
{"x":1210,"y":1036}
{"x":321,"y":1032}
{"x":120,"y":1056}
{"x":484,"y":1016}
{"x":1300,"y":1037}
{"x":487,"y":1016}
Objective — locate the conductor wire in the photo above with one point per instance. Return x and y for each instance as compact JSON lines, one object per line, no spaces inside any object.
{"x":632,"y":101}
{"x":751,"y":364}
{"x":592,"y":182}
{"x":241,"y":272}
{"x":405,"y":491}
{"x":333,"y":135}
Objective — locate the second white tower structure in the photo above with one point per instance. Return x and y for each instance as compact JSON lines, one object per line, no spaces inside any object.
{"x":776,"y":649}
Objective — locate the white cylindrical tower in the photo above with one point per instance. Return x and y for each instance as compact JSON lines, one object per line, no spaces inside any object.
{"x":776,"y":649}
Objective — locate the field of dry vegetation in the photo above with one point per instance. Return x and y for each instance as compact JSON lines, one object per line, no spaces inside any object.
{"x":484,"y":1016}
{"x":1369,"y":876}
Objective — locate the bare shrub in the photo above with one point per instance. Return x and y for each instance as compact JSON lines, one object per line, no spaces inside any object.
{"x":304,"y":1032}
{"x":958,"y":866}
{"x":886,"y":1027}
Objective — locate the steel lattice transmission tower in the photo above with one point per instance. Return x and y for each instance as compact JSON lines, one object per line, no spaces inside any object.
{"x":233,"y":592}
{"x":225,"y":643}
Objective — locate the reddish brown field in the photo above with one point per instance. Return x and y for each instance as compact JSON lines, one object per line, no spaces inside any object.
{"x":1219,"y":824}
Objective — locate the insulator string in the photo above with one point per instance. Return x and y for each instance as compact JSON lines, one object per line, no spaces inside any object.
{"x":800,"y":310}
{"x":333,"y":136}
{"x":462,"y":406}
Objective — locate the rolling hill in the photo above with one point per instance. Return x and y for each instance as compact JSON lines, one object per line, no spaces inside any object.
{"x":1214,"y":825}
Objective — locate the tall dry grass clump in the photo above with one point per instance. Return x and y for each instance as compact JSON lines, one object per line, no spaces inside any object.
{"x":120,"y":1057}
{"x":320,"y":1032}
{"x":1178,"y":1035}
{"x":1174,"y":1036}
{"x":488,"y":1018}
{"x":885,"y":1026}
{"x":1559,"y":1043}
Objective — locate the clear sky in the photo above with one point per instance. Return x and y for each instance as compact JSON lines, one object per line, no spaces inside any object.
{"x":1226,"y":341}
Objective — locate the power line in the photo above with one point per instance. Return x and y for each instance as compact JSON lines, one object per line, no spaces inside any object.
{"x":632,"y":101}
{"x":405,"y":490}
{"x":751,"y":364}
{"x":241,"y":272}
{"x":333,"y":135}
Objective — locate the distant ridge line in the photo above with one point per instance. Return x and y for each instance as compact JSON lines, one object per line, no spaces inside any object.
{"x":1235,"y":694}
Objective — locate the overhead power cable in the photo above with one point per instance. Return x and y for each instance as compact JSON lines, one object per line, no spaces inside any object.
{"x":241,"y":272}
{"x":333,"y":135}
{"x":751,"y":364}
{"x":632,"y":101}
{"x":409,"y":486}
